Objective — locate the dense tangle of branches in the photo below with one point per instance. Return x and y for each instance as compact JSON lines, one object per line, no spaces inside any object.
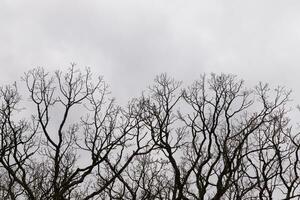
{"x":215,"y":139}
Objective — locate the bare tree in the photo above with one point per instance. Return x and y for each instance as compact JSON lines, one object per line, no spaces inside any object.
{"x":43,"y":157}
{"x":215,"y":139}
{"x":208,"y":145}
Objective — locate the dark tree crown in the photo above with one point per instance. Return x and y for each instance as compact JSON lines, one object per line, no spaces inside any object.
{"x":215,"y":139}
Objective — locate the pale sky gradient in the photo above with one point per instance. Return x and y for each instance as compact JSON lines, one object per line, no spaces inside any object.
{"x":131,"y":41}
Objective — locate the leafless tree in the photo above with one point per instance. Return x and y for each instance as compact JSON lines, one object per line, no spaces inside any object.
{"x":208,"y":133}
{"x":215,"y":139}
{"x":73,"y":119}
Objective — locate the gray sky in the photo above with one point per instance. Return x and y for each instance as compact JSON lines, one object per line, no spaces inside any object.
{"x":131,"y":41}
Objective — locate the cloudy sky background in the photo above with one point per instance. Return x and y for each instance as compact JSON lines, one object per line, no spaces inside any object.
{"x":131,"y":41}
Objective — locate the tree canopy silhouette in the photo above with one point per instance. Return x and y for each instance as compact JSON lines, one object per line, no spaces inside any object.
{"x":215,"y":139}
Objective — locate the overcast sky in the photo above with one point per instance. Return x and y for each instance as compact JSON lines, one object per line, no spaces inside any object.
{"x":131,"y":41}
